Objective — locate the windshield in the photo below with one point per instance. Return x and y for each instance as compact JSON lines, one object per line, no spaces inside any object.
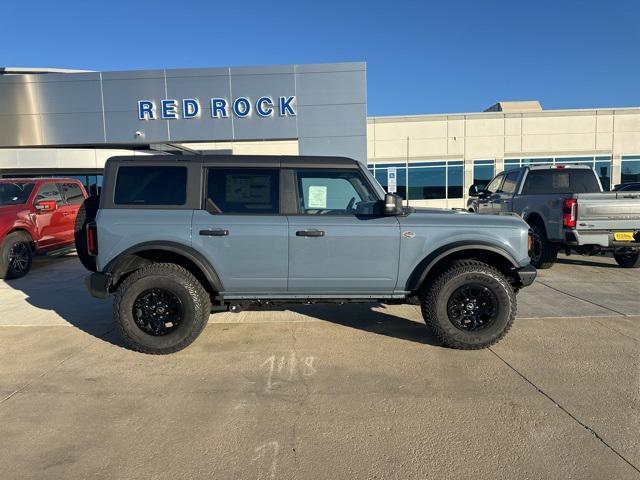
{"x":14,"y":193}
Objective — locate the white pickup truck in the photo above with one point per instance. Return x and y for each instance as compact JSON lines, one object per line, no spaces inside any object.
{"x":567,"y":209}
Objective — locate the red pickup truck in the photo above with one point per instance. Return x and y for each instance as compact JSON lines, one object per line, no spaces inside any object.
{"x":37,"y":215}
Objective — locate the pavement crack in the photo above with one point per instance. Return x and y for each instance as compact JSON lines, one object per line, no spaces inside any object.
{"x":582,"y":299}
{"x":46,"y":372}
{"x":609,"y":327}
{"x":567,"y":412}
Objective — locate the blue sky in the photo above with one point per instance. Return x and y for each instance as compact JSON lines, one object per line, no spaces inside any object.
{"x":422,"y":56}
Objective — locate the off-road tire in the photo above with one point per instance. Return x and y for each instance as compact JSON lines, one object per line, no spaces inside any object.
{"x":86,"y":214}
{"x":435,"y":297}
{"x":547,"y":252}
{"x":180,"y":282}
{"x":6,"y":269}
{"x":628,"y":260}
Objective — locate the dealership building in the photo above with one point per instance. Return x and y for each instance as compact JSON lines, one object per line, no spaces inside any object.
{"x":67,"y":123}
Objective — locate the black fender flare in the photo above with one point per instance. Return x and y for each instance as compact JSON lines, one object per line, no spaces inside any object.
{"x":120,"y":263}
{"x":426,"y":265}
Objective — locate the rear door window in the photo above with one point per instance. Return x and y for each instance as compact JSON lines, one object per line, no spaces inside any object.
{"x":243,"y":190}
{"x":155,"y":185}
{"x":15,"y":193}
{"x":50,"y":192}
{"x":72,"y":193}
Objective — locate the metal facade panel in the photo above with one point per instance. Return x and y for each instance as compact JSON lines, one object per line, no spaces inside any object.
{"x":252,"y":87}
{"x":331,"y":88}
{"x":69,"y":108}
{"x":69,"y":97}
{"x":192,"y":84}
{"x":19,"y":98}
{"x":122,"y":95}
{"x":121,"y":128}
{"x":332,"y":120}
{"x":20,"y":130}
{"x":67,"y":128}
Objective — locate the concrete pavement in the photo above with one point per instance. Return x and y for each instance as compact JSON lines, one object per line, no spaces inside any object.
{"x":359,"y":391}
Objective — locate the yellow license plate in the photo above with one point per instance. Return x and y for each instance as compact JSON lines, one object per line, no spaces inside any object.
{"x":623,"y":236}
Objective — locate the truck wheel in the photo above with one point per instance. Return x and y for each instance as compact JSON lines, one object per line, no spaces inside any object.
{"x":543,"y":252}
{"x":469,"y":306}
{"x":628,"y":260}
{"x":86,"y":214}
{"x":16,"y":256}
{"x":161,"y":308}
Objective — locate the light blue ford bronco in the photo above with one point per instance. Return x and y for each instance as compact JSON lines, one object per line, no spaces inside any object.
{"x":176,"y":238}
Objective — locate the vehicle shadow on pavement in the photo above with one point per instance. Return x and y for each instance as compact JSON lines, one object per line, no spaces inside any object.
{"x":587,"y":263}
{"x":371,"y":317}
{"x":57,"y":286}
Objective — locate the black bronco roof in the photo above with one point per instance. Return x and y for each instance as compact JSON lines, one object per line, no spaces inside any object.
{"x":277,"y":161}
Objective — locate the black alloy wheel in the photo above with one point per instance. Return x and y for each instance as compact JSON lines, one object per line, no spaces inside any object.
{"x":472,"y":307}
{"x":157,"y":312}
{"x":19,"y":259}
{"x":536,"y":249}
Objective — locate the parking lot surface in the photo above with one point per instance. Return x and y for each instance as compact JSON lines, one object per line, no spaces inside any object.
{"x":327,"y":392}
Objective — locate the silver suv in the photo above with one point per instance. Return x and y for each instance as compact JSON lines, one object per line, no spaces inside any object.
{"x":177,"y":238}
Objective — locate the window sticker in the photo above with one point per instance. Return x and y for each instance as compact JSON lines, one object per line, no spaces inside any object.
{"x":248,"y":188}
{"x":317,"y":196}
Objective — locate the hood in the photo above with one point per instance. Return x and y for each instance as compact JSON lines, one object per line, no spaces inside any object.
{"x":460,"y":218}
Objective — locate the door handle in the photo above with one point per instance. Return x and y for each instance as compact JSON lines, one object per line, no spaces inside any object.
{"x":218,"y":232}
{"x":309,"y":233}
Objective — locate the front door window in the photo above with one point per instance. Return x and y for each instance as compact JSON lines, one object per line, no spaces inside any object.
{"x":334,"y":192}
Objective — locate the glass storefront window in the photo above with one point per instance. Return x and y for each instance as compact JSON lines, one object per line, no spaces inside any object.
{"x":427,"y":180}
{"x":511,"y":164}
{"x":630,"y":168}
{"x":529,"y":162}
{"x":455,"y":179}
{"x":602,"y":166}
{"x":428,"y":183}
{"x":483,"y":172}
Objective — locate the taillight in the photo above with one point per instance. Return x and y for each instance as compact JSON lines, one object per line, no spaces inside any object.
{"x":92,"y":239}
{"x":569,"y":212}
{"x":530,"y":241}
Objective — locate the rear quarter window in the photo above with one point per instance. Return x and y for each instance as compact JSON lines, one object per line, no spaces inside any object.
{"x":153,"y":185}
{"x":541,"y":182}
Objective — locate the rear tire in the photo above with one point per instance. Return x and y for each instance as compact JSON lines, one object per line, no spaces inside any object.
{"x":86,"y":214}
{"x":16,"y":256}
{"x":628,"y":260}
{"x":161,"y":309}
{"x":469,"y":306}
{"x":543,"y":252}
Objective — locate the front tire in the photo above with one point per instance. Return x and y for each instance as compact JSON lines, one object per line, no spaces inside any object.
{"x":543,"y":252}
{"x":628,"y":260}
{"x":16,"y":256}
{"x":469,"y":306}
{"x":161,"y":309}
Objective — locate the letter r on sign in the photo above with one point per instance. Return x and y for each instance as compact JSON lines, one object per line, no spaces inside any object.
{"x":146,"y":110}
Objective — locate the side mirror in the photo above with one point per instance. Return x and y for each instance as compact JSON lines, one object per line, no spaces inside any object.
{"x":392,"y":204}
{"x":474,"y":190}
{"x":46,"y":206}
